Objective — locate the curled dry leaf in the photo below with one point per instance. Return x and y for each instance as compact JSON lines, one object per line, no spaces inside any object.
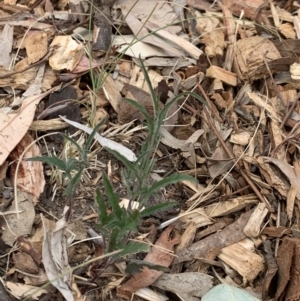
{"x":277,"y":173}
{"x":55,"y":255}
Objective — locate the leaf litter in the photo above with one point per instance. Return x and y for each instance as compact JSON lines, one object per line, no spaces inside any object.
{"x":242,"y":146}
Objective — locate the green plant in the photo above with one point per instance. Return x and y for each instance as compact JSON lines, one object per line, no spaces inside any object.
{"x":117,"y":225}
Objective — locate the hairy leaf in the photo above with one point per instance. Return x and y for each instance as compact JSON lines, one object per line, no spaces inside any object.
{"x":136,"y":266}
{"x":134,"y":247}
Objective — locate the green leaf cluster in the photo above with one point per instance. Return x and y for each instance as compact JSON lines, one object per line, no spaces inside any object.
{"x":118,"y":225}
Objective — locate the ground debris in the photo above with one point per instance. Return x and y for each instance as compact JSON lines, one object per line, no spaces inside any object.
{"x":226,"y":74}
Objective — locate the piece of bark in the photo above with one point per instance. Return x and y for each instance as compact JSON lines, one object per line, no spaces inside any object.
{"x":276,"y":231}
{"x":230,"y":235}
{"x":271,"y":269}
{"x":244,"y":261}
{"x":209,"y":259}
{"x":249,"y":8}
{"x":251,"y":56}
{"x":203,"y":5}
{"x":288,"y":47}
{"x":230,"y":206}
{"x":188,"y":286}
{"x":102,"y":25}
{"x":186,"y":239}
{"x":288,"y":261}
{"x":252,"y":228}
{"x":226,"y":77}
{"x":210,"y":229}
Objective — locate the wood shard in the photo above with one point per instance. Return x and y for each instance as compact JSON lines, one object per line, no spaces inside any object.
{"x":244,"y":261}
{"x":231,"y":234}
{"x":226,"y":77}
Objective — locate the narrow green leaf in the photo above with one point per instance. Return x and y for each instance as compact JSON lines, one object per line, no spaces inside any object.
{"x":92,"y":135}
{"x":73,"y":182}
{"x":134,"y":247}
{"x":136,"y":266}
{"x":113,"y":244}
{"x":152,"y":92}
{"x":172,"y":179}
{"x":72,"y":141}
{"x":72,"y":164}
{"x":177,"y":97}
{"x":113,"y":198}
{"x":197,"y":96}
{"x":130,"y":166}
{"x":156,"y":208}
{"x":54,"y":161}
{"x":102,"y":207}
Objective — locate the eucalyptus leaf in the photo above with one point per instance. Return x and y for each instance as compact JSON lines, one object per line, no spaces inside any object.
{"x":226,"y":292}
